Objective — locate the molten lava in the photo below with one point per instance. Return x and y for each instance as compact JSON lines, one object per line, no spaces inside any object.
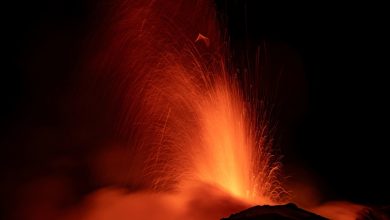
{"x":187,"y":116}
{"x":193,"y":137}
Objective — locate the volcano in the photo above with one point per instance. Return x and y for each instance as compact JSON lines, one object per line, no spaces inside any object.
{"x":187,"y":109}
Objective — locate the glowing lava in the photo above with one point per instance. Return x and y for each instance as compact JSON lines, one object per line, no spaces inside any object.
{"x":186,"y":116}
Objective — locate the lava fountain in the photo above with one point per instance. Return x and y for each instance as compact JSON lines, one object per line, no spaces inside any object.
{"x":190,"y":135}
{"x":183,"y":108}
{"x":189,"y":122}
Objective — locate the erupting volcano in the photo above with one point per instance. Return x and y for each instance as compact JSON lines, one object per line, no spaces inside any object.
{"x":184,"y":108}
{"x":192,"y":133}
{"x":188,"y":120}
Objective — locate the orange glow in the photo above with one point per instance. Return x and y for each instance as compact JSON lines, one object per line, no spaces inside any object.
{"x":188,"y":120}
{"x":193,"y":144}
{"x":229,"y":156}
{"x":193,"y":140}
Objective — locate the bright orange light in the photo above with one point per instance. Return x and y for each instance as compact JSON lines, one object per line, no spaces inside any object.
{"x":187,"y":119}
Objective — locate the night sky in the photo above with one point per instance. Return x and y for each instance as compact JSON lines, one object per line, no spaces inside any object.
{"x":337,"y":125}
{"x":325,"y":67}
